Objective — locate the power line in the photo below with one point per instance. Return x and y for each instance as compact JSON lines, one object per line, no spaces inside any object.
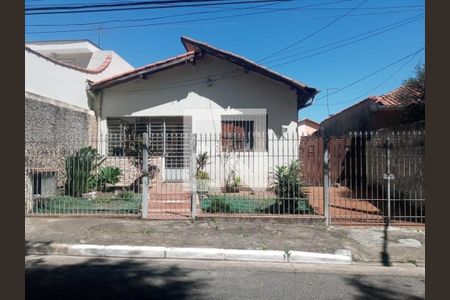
{"x":373,"y":73}
{"x":161,"y":23}
{"x":116,"y":4}
{"x":194,"y":4}
{"x":257,"y":7}
{"x":154,"y":18}
{"x":377,"y":86}
{"x":363,"y":36}
{"x":313,"y":33}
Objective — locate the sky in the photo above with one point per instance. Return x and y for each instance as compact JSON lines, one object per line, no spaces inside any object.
{"x":309,"y":41}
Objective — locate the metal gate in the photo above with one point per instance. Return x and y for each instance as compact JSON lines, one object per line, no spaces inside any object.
{"x":370,"y":178}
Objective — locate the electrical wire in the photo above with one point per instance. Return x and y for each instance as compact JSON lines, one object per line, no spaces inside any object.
{"x":377,"y":86}
{"x":313,"y":33}
{"x":402,"y":23}
{"x":371,"y":74}
{"x":72,"y":11}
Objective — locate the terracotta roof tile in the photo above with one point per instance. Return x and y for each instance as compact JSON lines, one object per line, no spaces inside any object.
{"x":396,"y":97}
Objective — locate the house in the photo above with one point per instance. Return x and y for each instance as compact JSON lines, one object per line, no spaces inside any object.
{"x":307,"y":127}
{"x":56,"y":103}
{"x":370,"y":114}
{"x":233,"y":106}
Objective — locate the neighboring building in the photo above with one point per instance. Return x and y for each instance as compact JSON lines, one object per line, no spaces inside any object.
{"x":58,"y":109}
{"x":307,"y":127}
{"x":205,"y":91}
{"x":56,"y":74}
{"x":373,"y":113}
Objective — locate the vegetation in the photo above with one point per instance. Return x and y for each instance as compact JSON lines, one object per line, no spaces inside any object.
{"x":128,"y":195}
{"x":78,"y":171}
{"x":234,"y":204}
{"x":290,"y":191}
{"x":232,"y":182}
{"x":106,"y":175}
{"x":72,"y":205}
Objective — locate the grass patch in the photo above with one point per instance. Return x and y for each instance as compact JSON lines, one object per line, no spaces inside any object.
{"x":234,"y":204}
{"x":72,"y":205}
{"x":241,"y":205}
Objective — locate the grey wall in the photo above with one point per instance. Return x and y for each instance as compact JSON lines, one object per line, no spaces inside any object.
{"x":50,"y":119}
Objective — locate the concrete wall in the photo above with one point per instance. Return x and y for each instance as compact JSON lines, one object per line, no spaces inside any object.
{"x":357,"y":117}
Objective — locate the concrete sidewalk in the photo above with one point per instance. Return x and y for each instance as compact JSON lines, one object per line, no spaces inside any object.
{"x":367,"y":244}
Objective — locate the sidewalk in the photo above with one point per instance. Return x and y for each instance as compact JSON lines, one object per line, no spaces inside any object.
{"x":404,"y":244}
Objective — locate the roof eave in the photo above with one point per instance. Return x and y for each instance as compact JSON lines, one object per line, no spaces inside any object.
{"x":192,"y":45}
{"x":142,"y":73}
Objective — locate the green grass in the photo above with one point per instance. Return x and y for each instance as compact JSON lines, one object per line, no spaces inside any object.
{"x":71,"y":205}
{"x":239,"y":204}
{"x":234,"y":204}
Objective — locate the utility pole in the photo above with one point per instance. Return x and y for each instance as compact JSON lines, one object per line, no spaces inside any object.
{"x":328,"y":107}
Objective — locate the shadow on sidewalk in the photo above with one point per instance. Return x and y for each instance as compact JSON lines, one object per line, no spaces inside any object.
{"x":109,"y":279}
{"x":385,"y":258}
{"x":369,"y":290}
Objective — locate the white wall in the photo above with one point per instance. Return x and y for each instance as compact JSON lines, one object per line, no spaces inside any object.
{"x":49,"y":79}
{"x":178,"y":92}
{"x":185,"y":91}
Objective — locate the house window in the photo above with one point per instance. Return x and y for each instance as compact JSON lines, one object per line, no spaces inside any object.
{"x":238,"y":135}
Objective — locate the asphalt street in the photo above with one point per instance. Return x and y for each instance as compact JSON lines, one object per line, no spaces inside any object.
{"x":64,"y":277}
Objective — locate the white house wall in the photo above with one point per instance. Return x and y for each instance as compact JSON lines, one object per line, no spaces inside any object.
{"x":179,"y":92}
{"x":185,"y":91}
{"x":48,"y":79}
{"x":51,"y":80}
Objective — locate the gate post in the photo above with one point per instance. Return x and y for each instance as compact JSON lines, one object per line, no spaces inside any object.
{"x":388,"y":176}
{"x":193,"y":175}
{"x":326,"y":181}
{"x":145,"y":178}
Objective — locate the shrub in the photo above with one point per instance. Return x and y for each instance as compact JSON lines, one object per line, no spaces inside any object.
{"x":107,"y":175}
{"x":202,"y":161}
{"x":202,"y":175}
{"x":289,"y":188}
{"x":78,"y":171}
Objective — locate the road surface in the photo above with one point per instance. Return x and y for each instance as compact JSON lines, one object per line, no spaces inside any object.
{"x":64,"y":277}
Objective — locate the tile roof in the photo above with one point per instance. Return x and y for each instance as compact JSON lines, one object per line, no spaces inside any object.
{"x":135,"y":73}
{"x":191,"y":44}
{"x":394,"y":99}
{"x":398,"y":97}
{"x":196,"y":48}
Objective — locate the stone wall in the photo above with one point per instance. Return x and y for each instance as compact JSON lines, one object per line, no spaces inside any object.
{"x":53,"y":120}
{"x":53,"y":131}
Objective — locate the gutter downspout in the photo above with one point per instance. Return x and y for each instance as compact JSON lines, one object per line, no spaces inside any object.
{"x":97,"y":105}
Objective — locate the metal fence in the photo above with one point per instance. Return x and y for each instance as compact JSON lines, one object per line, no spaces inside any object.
{"x":362,"y":178}
{"x":71,"y":177}
{"x":371,"y":178}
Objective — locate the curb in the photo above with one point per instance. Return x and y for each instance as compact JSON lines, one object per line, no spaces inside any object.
{"x":340,"y":257}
